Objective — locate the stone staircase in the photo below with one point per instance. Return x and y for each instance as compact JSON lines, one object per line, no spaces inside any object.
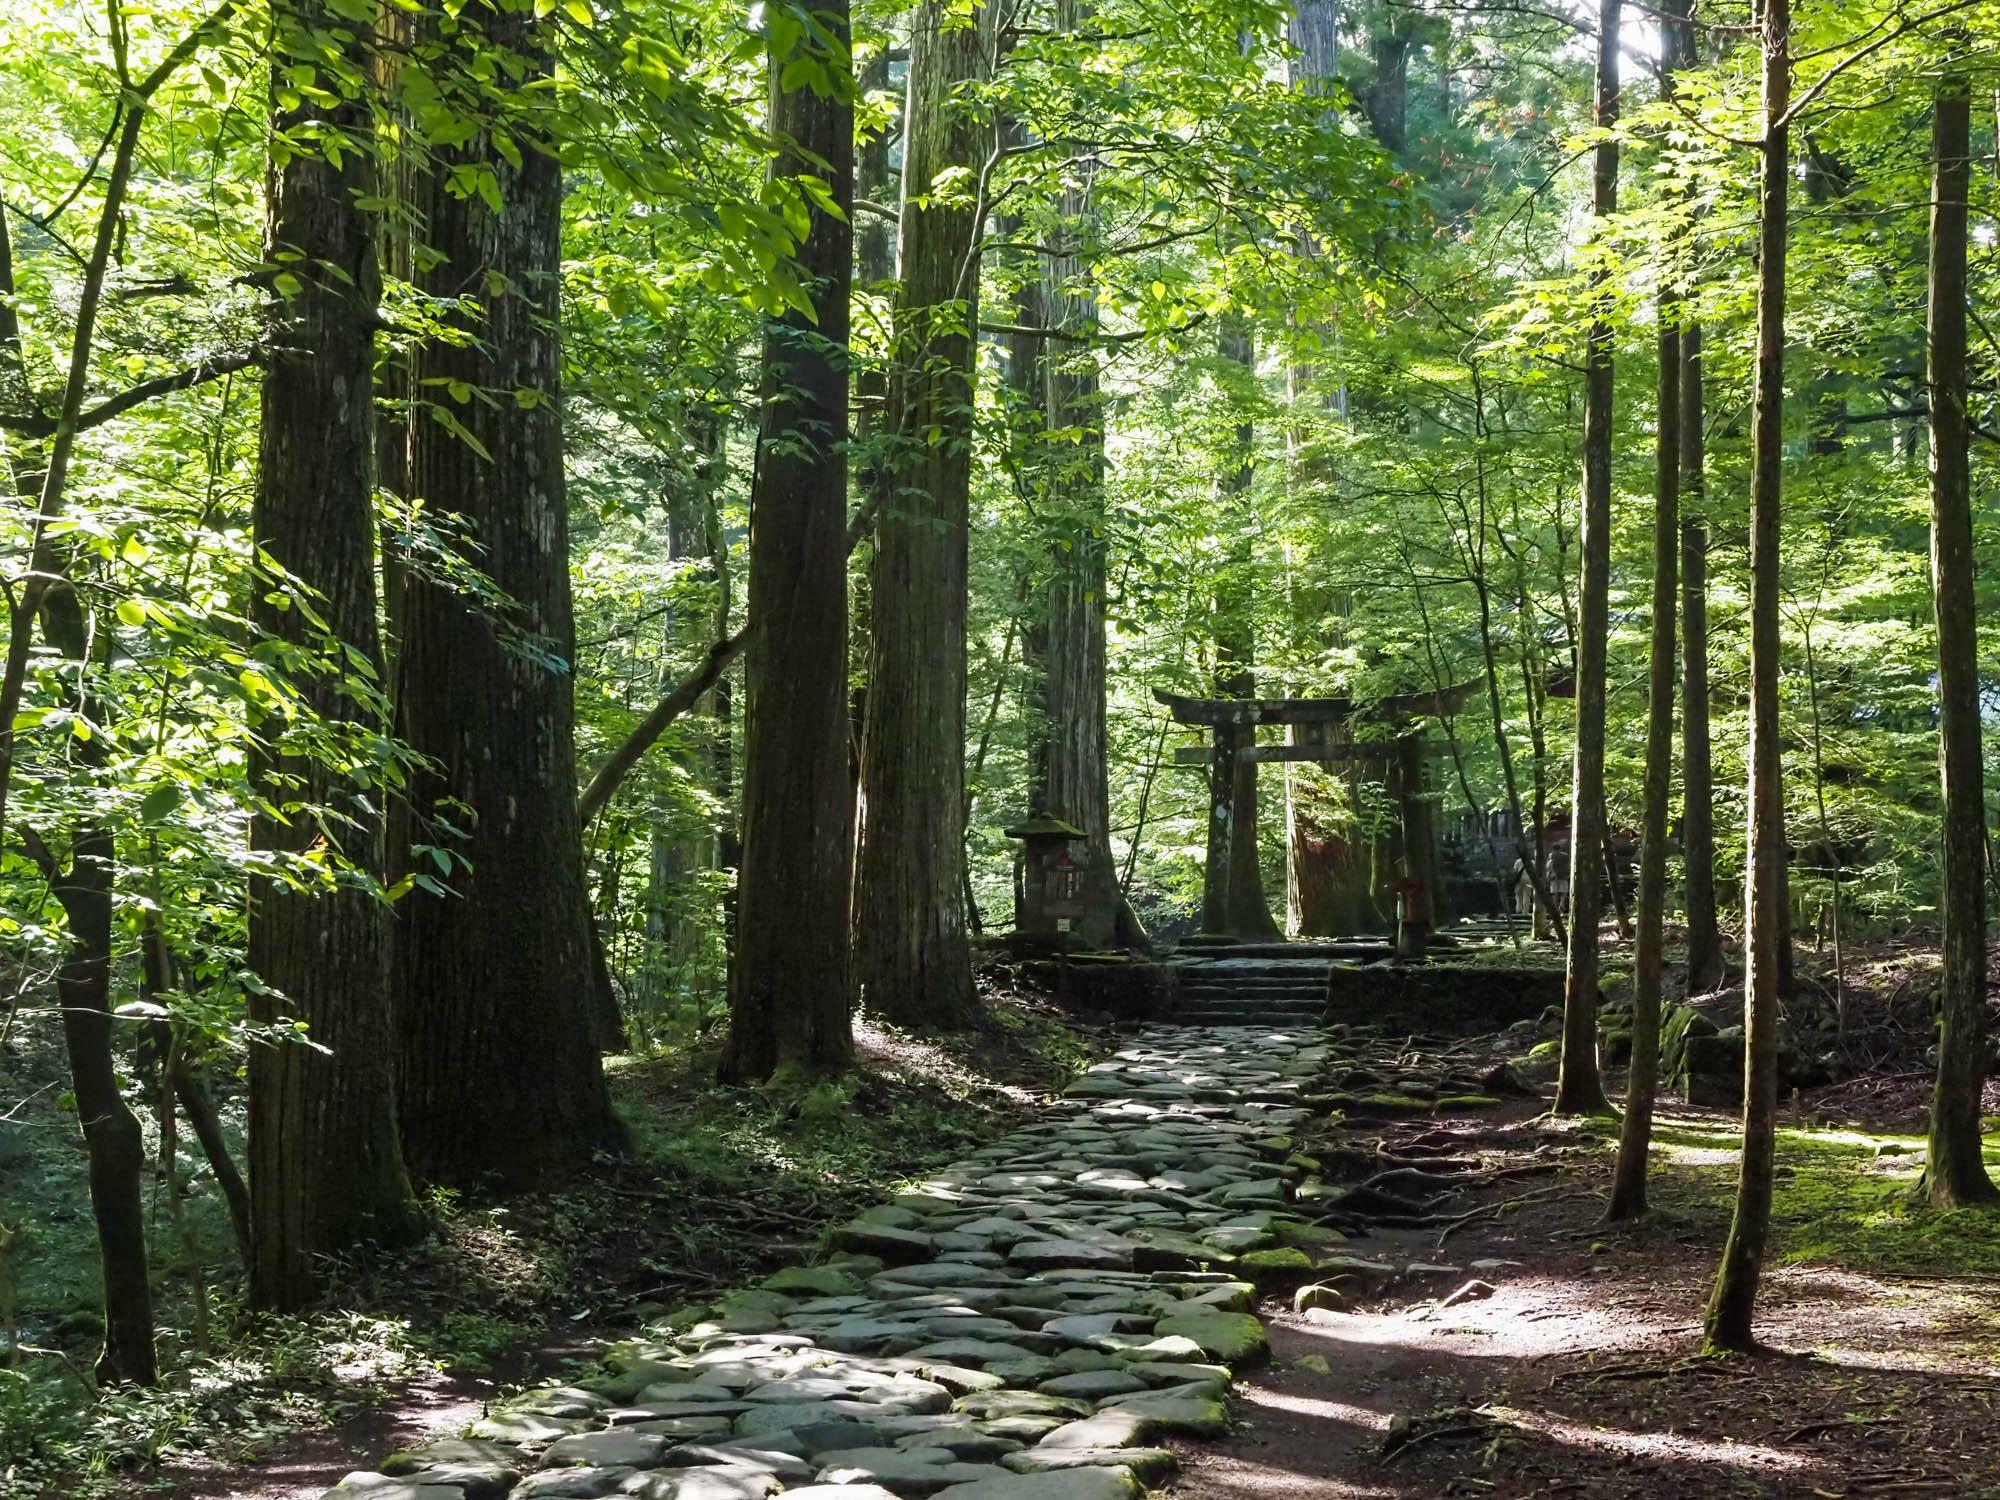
{"x":1275,"y":984}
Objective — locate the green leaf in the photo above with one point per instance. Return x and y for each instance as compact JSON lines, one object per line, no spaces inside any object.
{"x":159,"y":804}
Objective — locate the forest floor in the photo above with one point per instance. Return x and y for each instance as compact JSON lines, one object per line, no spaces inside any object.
{"x":721,"y":1186}
{"x":1581,"y":1374}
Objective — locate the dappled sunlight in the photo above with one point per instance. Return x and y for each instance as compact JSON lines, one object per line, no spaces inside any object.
{"x":1316,"y":1407}
{"x":1523,"y":1320}
{"x":1659,"y":1446}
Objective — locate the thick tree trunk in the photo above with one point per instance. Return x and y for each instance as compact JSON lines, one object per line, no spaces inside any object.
{"x":1233,"y":900}
{"x":1704,"y":935}
{"x":788,"y":994}
{"x":1072,"y":772}
{"x":489,"y":699}
{"x":1579,"y":1087}
{"x":1326,"y":853}
{"x":1628,"y":1187}
{"x":1956,"y":1174}
{"x":1388,"y":94}
{"x":913,"y":962}
{"x":326,"y":1166}
{"x":1326,"y":850}
{"x":1733,"y":1302}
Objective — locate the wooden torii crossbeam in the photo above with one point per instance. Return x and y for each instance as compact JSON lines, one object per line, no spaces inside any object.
{"x":1233,"y":723}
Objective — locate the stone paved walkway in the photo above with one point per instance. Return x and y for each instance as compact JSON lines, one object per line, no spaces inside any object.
{"x":1023,"y":1326}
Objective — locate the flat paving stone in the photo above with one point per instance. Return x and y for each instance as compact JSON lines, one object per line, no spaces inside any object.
{"x":1019,"y":1326}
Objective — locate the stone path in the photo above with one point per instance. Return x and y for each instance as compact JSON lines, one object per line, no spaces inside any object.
{"x":1025,"y":1325}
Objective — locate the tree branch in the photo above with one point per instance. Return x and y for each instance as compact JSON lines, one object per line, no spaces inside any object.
{"x":37,"y":426}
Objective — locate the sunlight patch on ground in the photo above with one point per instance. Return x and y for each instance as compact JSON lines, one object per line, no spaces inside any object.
{"x":1241,"y":1479}
{"x":1658,"y":1446}
{"x":1523,"y":1320}
{"x":1858,"y":1322}
{"x":1315,"y":1407}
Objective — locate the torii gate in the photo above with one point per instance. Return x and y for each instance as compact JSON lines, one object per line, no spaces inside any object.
{"x":1233,"y":724}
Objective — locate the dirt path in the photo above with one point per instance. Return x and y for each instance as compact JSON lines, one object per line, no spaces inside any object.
{"x":1580,"y":1375}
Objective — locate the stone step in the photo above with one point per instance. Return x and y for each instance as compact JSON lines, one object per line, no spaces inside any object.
{"x":1302,"y":1005}
{"x":1239,"y":1019}
{"x":1318,"y":991}
{"x":1368,"y":947}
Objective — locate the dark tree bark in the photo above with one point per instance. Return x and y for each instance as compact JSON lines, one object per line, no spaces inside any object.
{"x":913,"y":962}
{"x":326,"y":1166}
{"x":1580,"y":1087}
{"x":112,"y":1143}
{"x":1388,"y":94}
{"x":788,"y":992}
{"x":1704,"y":935}
{"x":113,"y":1146}
{"x":1956,"y":1173}
{"x":1733,"y":1303}
{"x":1326,"y":853}
{"x":1072,"y":752}
{"x":1233,"y":888}
{"x":1628,"y":1186}
{"x":487,"y":695}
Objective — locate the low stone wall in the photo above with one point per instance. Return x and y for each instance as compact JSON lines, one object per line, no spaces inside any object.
{"x":1441,"y":997}
{"x":1124,"y":988}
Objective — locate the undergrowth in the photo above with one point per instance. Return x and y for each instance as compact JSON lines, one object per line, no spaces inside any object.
{"x":1843,"y":1197}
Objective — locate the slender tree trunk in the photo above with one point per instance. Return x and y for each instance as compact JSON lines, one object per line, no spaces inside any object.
{"x":1628,"y":1186}
{"x":1956,"y":1174}
{"x":913,"y":962}
{"x":789,"y":999}
{"x":1733,"y":1302}
{"x":326,"y":1165}
{"x":1704,"y":935}
{"x":488,"y":698}
{"x":874,"y":266}
{"x":1580,"y":1087}
{"x":113,"y":1145}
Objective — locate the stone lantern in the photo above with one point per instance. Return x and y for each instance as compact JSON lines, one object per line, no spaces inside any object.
{"x":1063,"y":890}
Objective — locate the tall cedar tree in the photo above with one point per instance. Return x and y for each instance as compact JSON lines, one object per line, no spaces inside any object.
{"x":1704,"y":933}
{"x":1326,"y":854}
{"x":326,"y":1166}
{"x":1956,"y":1174}
{"x":1233,"y":884}
{"x":492,"y":982}
{"x":1733,"y":1303}
{"x":913,"y":963}
{"x":789,"y":1002}
{"x":1072,"y":776}
{"x":1580,"y":1087}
